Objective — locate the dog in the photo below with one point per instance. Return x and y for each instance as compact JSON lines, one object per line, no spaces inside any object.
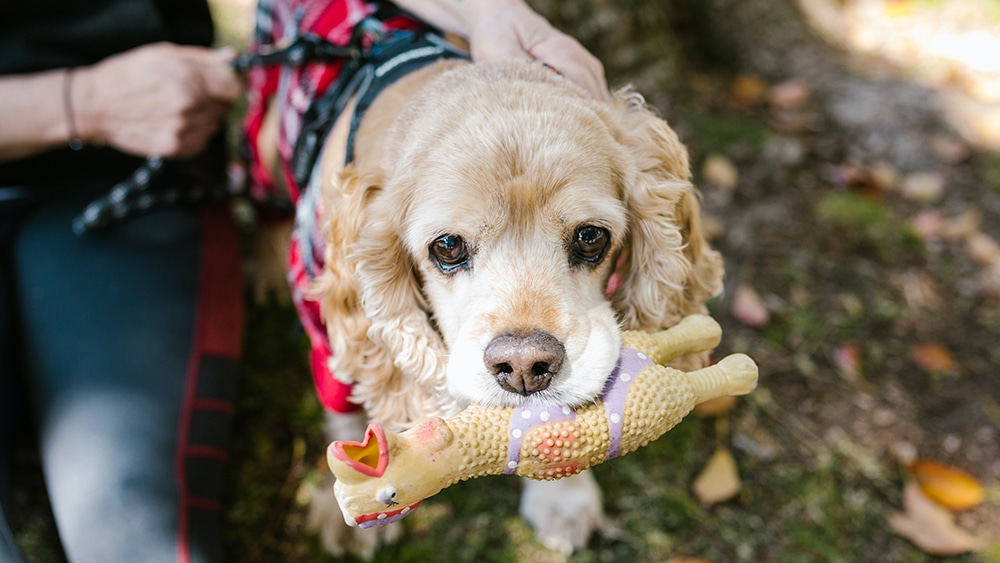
{"x":495,"y":230}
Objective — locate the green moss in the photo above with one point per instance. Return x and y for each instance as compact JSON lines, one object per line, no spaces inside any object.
{"x":855,"y":223}
{"x":712,"y":133}
{"x":991,"y":167}
{"x":853,"y":211}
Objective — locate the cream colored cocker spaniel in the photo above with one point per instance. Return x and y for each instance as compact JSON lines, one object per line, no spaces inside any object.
{"x":496,"y":231}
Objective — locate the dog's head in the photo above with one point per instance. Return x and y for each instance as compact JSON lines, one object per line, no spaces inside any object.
{"x":515,"y":227}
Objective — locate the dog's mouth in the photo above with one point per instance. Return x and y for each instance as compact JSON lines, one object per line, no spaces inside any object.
{"x":377,"y":519}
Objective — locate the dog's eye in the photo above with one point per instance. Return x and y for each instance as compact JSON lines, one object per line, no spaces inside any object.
{"x":450,"y":252}
{"x":590,"y":243}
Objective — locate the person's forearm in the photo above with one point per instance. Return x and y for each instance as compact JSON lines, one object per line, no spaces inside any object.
{"x":457,"y":16}
{"x":33,"y":115}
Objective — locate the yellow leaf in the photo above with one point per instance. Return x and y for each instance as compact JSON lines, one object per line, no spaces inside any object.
{"x":747,"y":90}
{"x":719,"y":480}
{"x":934,"y":358}
{"x":948,"y":486}
{"x":930,"y":526}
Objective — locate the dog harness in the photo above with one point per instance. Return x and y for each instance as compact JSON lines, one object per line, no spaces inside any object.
{"x":382,"y":45}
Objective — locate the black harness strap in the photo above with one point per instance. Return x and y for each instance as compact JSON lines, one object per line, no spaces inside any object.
{"x":395,"y":55}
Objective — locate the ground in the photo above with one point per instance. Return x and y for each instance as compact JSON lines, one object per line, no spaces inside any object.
{"x":863,"y":211}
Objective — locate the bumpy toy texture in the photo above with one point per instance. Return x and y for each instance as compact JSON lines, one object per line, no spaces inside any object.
{"x":384,"y":477}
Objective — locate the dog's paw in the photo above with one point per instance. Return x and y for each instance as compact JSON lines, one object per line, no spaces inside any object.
{"x":326,"y":520}
{"x":564,"y":512}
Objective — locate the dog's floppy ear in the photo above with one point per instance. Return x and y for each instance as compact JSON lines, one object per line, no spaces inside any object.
{"x":667,"y":267}
{"x":380,"y":333}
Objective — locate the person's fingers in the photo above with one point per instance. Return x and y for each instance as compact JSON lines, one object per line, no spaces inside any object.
{"x":520,"y":33}
{"x":494,"y":43}
{"x":576,"y":63}
{"x":219,"y":80}
{"x":221,"y":83}
{"x":191,"y":144}
{"x":195,"y":138}
{"x":179,"y":136}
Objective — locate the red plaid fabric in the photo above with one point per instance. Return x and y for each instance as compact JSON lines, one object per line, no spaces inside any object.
{"x":293,"y":89}
{"x":279,"y":22}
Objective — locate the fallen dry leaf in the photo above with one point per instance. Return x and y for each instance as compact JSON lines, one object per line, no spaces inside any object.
{"x":948,"y":486}
{"x":718,"y":405}
{"x":930,"y":526}
{"x":870,"y":182}
{"x":719,"y":480}
{"x":749,"y":308}
{"x":747,"y":90}
{"x":933,"y":357}
{"x":923,"y":187}
{"x":845,"y":175}
{"x":949,"y":149}
{"x":919,"y":289}
{"x":904,"y":452}
{"x":720,"y":171}
{"x":962,"y":226}
{"x":847,"y":358}
{"x":790,"y":94}
{"x":884,"y":175}
{"x":983,"y":249}
{"x":927,"y":224}
{"x":988,"y":280}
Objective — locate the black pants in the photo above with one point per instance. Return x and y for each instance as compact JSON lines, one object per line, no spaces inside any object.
{"x":123,"y":348}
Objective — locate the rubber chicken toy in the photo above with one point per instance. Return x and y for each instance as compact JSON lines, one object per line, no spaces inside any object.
{"x":384,"y":477}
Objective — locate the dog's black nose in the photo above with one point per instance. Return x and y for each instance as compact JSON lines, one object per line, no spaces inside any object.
{"x":524,"y":363}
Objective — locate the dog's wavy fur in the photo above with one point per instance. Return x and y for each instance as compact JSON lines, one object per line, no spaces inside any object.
{"x":384,"y":333}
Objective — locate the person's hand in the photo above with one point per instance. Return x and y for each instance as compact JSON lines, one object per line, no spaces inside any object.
{"x":516,"y":31}
{"x":156,"y":100}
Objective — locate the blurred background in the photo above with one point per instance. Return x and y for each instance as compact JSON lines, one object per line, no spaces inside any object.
{"x":848,"y":155}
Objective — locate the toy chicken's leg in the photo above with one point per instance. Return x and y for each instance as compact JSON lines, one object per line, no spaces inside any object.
{"x":695,"y":333}
{"x":736,"y":374}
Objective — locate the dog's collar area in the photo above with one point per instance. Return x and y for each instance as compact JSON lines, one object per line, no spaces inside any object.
{"x":310,"y":48}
